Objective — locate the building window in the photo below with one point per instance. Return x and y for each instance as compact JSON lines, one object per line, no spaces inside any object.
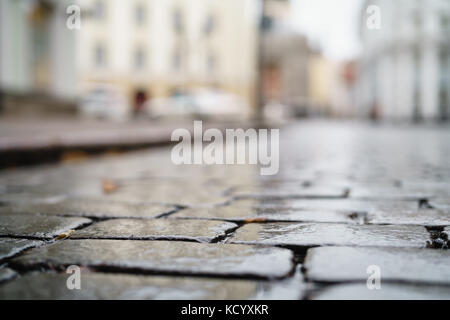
{"x":140,"y":14}
{"x":139,"y":59}
{"x":178,"y":21}
{"x":444,"y":90}
{"x":418,"y":22}
{"x":211,"y":63}
{"x":445,"y":24}
{"x":176,"y":60}
{"x":210,"y":25}
{"x":99,"y":56}
{"x":99,"y":10}
{"x":417,"y":111}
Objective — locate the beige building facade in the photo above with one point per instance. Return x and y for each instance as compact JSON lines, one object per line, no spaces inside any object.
{"x":157,"y":48}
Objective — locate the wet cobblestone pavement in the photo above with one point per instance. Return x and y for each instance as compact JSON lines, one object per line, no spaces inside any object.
{"x":348,"y":196}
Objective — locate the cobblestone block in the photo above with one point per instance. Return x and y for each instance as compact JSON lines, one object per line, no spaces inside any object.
{"x":163,"y":257}
{"x":241,"y":213}
{"x":38,"y":226}
{"x":160,"y":229}
{"x":91,"y":208}
{"x":342,"y":264}
{"x":322,"y":234}
{"x":387,"y":292}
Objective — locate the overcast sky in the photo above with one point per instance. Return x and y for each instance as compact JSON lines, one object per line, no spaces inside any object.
{"x":331,"y":24}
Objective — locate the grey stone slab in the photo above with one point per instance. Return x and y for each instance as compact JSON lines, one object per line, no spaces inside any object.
{"x":100,"y":286}
{"x":421,"y":217}
{"x":322,"y":234}
{"x":7,"y":274}
{"x":38,"y":226}
{"x":441,"y":203}
{"x":242,"y":213}
{"x":386,"y":292}
{"x":352,"y":205}
{"x":438,"y":189}
{"x":10,"y":247}
{"x":171,"y":193}
{"x":377,"y":211}
{"x":91,"y":208}
{"x":283,"y":191}
{"x":340,"y":264}
{"x":368,"y":192}
{"x":164,"y":256}
{"x":160,"y":229}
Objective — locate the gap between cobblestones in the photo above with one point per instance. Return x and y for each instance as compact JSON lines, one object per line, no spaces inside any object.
{"x":438,"y":238}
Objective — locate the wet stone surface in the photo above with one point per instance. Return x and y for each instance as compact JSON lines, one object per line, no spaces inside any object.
{"x":242,"y":213}
{"x":164,"y":257}
{"x":419,"y":217}
{"x":387,"y":292}
{"x":342,"y":264}
{"x":171,"y":192}
{"x":135,"y":287}
{"x":323,"y":234}
{"x":10,"y":247}
{"x":91,"y":208}
{"x":38,"y":226}
{"x":374,"y":212}
{"x":371,"y":188}
{"x":7,"y":274}
{"x":287,"y":190}
{"x":161,"y":229}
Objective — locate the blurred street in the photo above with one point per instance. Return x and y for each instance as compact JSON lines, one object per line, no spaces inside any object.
{"x":212,"y":149}
{"x":348,"y":196}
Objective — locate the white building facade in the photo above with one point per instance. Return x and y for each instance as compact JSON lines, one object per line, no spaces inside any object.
{"x":37,"y":51}
{"x":404,"y":71}
{"x":159,"y":47}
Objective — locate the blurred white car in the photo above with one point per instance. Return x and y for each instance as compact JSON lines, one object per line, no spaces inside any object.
{"x":219,"y":103}
{"x":181,"y":105}
{"x":104,"y":102}
{"x":201,"y":103}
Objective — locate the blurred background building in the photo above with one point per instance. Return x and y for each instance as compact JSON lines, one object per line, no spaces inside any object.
{"x":285,"y":56}
{"x":404,"y":67}
{"x":156,"y":59}
{"x":157,"y":49}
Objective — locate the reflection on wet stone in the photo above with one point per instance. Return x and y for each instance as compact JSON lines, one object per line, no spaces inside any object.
{"x":133,"y":287}
{"x":7,"y":274}
{"x":162,"y":229}
{"x":374,"y":212}
{"x":241,"y":213}
{"x":163,"y":256}
{"x":321,"y":234}
{"x":340,"y":264}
